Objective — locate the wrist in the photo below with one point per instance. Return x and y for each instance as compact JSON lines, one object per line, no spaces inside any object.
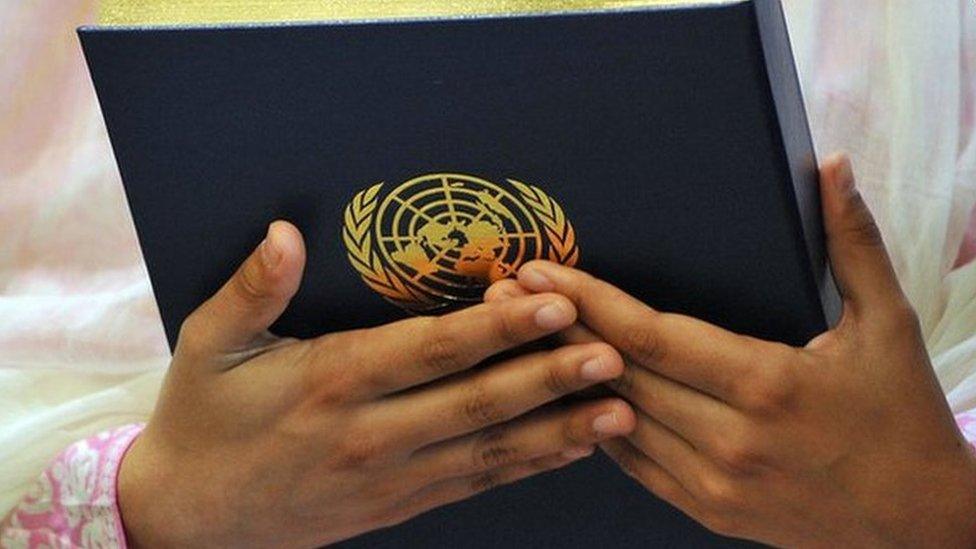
{"x":134,"y":510}
{"x":960,"y":505}
{"x":151,"y":515}
{"x":940,"y":506}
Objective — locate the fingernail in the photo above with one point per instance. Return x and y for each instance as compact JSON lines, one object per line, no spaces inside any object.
{"x":554,"y":316}
{"x":607,"y":424}
{"x":578,"y":453}
{"x":596,"y":369}
{"x":534,"y":280}
{"x":271,"y":249}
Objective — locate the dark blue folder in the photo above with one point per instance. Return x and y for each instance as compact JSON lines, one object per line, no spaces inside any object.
{"x":673,"y":139}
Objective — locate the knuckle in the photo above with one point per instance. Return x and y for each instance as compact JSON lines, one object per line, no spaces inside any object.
{"x":739,"y":455}
{"x":323,"y":383}
{"x":249,"y":284}
{"x":327,"y":391}
{"x":556,"y":381}
{"x":359,"y":450}
{"x":480,"y":409}
{"x":645,"y":346}
{"x":492,"y":450}
{"x":862,"y":230}
{"x":720,"y":495}
{"x":505,"y":327}
{"x":189,"y":326}
{"x":771,"y":390}
{"x":192,"y":339}
{"x":485,"y":482}
{"x":624,"y":384}
{"x":542,"y":464}
{"x":574,"y":435}
{"x":441,"y":352}
{"x":903,"y":319}
{"x":668,"y":491}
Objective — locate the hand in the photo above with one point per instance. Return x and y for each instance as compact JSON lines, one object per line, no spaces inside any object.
{"x":848,"y":441}
{"x":263,"y":441}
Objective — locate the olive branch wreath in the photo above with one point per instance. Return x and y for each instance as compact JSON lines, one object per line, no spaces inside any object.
{"x":560,"y":234}
{"x":357,"y":235}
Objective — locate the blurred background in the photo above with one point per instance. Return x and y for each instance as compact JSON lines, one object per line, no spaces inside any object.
{"x":892,"y":82}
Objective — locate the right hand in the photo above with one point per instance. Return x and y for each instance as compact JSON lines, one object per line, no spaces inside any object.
{"x":264,"y":441}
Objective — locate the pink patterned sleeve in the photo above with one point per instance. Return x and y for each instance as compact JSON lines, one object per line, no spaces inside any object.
{"x":74,"y":503}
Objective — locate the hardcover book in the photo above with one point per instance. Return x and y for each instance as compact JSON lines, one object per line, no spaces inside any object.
{"x":664,"y":149}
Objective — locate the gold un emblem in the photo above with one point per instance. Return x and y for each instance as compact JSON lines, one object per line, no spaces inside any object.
{"x":437,"y":241}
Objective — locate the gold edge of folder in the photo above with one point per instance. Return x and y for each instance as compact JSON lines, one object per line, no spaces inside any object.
{"x":189,"y":12}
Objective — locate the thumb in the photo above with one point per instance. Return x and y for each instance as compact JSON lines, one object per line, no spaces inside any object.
{"x":240,"y":313}
{"x":858,"y":257}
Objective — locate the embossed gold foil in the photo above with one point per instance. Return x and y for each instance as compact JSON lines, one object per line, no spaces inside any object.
{"x":175,"y":12}
{"x":439,"y":240}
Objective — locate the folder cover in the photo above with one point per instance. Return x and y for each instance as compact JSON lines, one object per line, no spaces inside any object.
{"x":664,"y":149}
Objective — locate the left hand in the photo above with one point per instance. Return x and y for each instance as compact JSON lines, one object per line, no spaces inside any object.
{"x":847,"y":441}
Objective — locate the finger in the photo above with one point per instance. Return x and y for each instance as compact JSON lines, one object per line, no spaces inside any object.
{"x":650,"y":474}
{"x":416,"y":351}
{"x":457,"y":489}
{"x":669,"y":450}
{"x":682,"y":348}
{"x":574,"y":430}
{"x":254,"y":297}
{"x":858,"y":256}
{"x":504,"y":289}
{"x":496,"y":394}
{"x":577,"y":333}
{"x":508,"y":288}
{"x":690,"y":414}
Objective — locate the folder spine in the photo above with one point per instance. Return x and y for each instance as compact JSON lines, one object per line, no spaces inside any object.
{"x":794,"y":130}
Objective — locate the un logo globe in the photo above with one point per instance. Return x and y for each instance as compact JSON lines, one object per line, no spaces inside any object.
{"x":437,"y":241}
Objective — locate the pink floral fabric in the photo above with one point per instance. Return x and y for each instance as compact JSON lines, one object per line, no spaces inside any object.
{"x":74,"y":503}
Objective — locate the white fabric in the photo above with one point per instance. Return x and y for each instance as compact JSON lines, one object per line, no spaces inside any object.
{"x":893,"y":83}
{"x":81,"y":346}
